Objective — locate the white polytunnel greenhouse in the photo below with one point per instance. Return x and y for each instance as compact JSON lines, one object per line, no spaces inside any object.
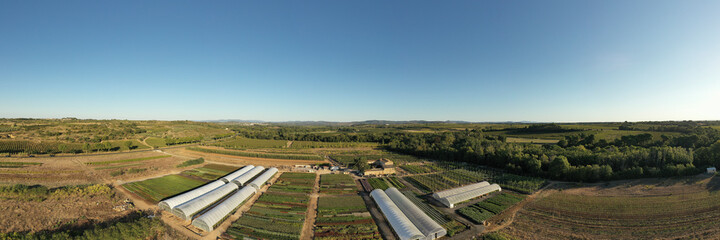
{"x":402,"y":226}
{"x":208,"y":220}
{"x":451,"y":200}
{"x":243,"y":179}
{"x":420,"y":219}
{"x":188,"y":209}
{"x":259,"y":181}
{"x":235,"y":174}
{"x":170,"y":203}
{"x":454,"y":191}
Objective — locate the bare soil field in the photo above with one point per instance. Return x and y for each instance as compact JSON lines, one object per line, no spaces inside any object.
{"x":58,"y":213}
{"x":54,"y":172}
{"x":632,"y":209}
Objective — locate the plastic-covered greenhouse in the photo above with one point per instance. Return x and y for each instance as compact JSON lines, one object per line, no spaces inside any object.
{"x":243,"y":179}
{"x":454,"y":191}
{"x":235,"y":174}
{"x":170,"y":203}
{"x":190,"y":208}
{"x":259,"y":181}
{"x":450,"y":201}
{"x":402,"y":226}
{"x":211,"y":218}
{"x":420,"y":219}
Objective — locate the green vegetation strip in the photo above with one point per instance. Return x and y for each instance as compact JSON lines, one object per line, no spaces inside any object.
{"x":18,"y":164}
{"x":481,"y":211}
{"x":191,"y":162}
{"x":257,"y":155}
{"x":127,"y":160}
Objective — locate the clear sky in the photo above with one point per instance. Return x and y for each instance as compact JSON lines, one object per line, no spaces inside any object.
{"x":560,"y":61}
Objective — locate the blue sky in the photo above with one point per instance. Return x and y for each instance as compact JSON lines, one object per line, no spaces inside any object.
{"x":560,"y":61}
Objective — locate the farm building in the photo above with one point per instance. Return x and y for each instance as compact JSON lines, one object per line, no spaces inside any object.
{"x":214,"y":216}
{"x":235,"y":174}
{"x":450,"y":201}
{"x":453,"y":191}
{"x":402,"y":226}
{"x":711,"y":170}
{"x":420,"y":219}
{"x":190,"y":208}
{"x":243,"y":179}
{"x":263,"y":178}
{"x":380,"y":167}
{"x":170,"y":203}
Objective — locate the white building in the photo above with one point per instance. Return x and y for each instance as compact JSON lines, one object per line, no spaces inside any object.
{"x":711,"y":170}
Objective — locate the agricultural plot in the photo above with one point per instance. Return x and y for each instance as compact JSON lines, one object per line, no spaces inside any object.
{"x":126,"y":160}
{"x":248,"y":143}
{"x":459,"y":177}
{"x":294,"y":182}
{"x":481,"y":211}
{"x":425,"y":168}
{"x":209,"y":172}
{"x":337,"y":184}
{"x":344,"y":217}
{"x":347,"y":157}
{"x":258,"y":154}
{"x":684,"y":210}
{"x":157,"y":189}
{"x":18,"y":164}
{"x":279,"y":213}
{"x":385,"y":182}
{"x":311,"y":144}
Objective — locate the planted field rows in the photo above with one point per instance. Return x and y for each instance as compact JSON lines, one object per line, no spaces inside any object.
{"x":385,"y":183}
{"x":562,"y":215}
{"x":481,"y":211}
{"x":279,"y":213}
{"x":156,"y":189}
{"x":459,"y":177}
{"x":258,"y":154}
{"x":344,"y":217}
{"x":127,"y":160}
{"x":337,"y":184}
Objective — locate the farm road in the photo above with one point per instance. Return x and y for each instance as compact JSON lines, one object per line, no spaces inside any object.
{"x":307,"y":231}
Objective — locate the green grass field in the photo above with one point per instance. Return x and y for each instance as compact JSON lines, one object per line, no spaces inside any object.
{"x":344,"y":217}
{"x":210,"y":172}
{"x":157,"y":189}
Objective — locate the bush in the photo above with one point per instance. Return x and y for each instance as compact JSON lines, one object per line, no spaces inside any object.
{"x":191,"y":162}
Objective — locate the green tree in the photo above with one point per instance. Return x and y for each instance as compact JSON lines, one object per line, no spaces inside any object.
{"x":559,"y":167}
{"x":128,"y":144}
{"x":361,"y":164}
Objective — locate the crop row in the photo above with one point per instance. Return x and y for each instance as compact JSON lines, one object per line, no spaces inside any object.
{"x":279,"y":213}
{"x":481,"y":211}
{"x":257,"y":154}
{"x":127,"y":160}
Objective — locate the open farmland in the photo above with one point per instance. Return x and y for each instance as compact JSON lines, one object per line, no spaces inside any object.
{"x":249,"y":143}
{"x":481,"y":211}
{"x":385,"y":183}
{"x":639,"y":209}
{"x":257,"y":154}
{"x":459,"y":177}
{"x":337,"y":184}
{"x":278,"y":213}
{"x":344,"y":217}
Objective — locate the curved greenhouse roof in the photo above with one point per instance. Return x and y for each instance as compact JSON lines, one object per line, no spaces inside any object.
{"x":450,"y":201}
{"x":453,"y":191}
{"x":170,"y":203}
{"x":420,"y":219}
{"x":263,"y":178}
{"x":235,"y":174}
{"x":405,"y":229}
{"x":188,"y":209}
{"x":245,"y":177}
{"x":211,"y":218}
